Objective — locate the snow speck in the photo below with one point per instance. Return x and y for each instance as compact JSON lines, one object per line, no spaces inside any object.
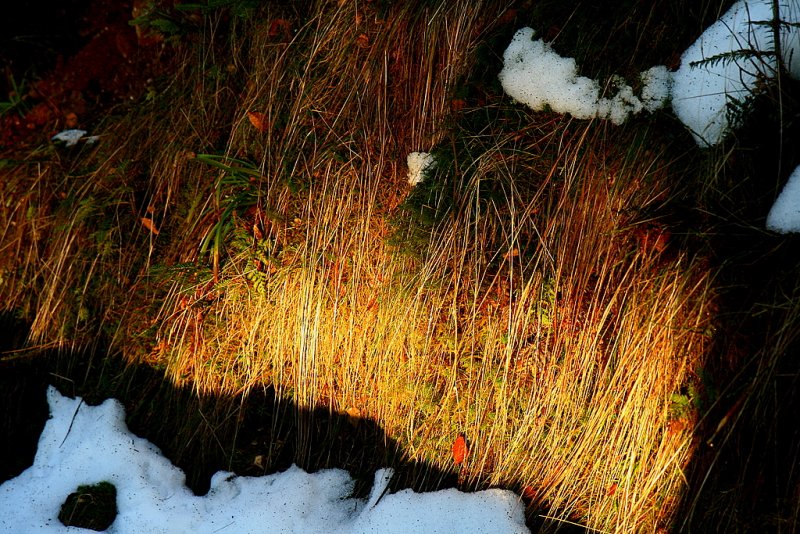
{"x":71,"y":137}
{"x":419,"y":163}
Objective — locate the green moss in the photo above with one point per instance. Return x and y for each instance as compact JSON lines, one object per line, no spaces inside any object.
{"x":92,"y":506}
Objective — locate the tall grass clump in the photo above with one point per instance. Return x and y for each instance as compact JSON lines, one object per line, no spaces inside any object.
{"x":551,"y":317}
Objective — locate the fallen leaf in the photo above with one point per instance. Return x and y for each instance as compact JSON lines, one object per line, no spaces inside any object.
{"x":612,"y":489}
{"x":507,"y":17}
{"x":513,"y":253}
{"x":258,"y":120}
{"x":460,"y":450}
{"x":125,"y":45}
{"x":457,"y":104}
{"x":70,"y":120}
{"x":149,"y":224}
{"x":362,"y":41}
{"x":280,"y":28}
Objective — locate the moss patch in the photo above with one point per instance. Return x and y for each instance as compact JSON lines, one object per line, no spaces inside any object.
{"x":93,"y":506}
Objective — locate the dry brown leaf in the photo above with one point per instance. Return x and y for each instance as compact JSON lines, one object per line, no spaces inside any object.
{"x":513,"y":253}
{"x":457,"y":104}
{"x":280,"y":28}
{"x":71,"y":120}
{"x":529,"y":493}
{"x":258,"y":120}
{"x":149,"y":224}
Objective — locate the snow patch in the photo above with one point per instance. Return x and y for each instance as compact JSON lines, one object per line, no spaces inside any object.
{"x":419,"y":164}
{"x":735,"y":44}
{"x":535,"y":75}
{"x":784,"y":217}
{"x":82,"y":445}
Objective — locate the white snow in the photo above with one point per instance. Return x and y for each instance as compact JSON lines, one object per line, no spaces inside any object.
{"x":84,"y":445}
{"x":657,"y":87}
{"x":728,"y":63}
{"x":419,"y":163}
{"x":535,"y":75}
{"x":784,"y":217}
{"x":701,"y":91}
{"x":71,"y":137}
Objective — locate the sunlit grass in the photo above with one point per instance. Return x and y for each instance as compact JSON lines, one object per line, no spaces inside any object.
{"x":551,"y":324}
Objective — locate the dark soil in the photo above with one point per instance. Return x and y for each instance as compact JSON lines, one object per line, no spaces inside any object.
{"x":65,"y":64}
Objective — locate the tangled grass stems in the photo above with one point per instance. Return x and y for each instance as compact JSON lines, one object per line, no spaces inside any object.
{"x":559,"y":363}
{"x":547,"y":314}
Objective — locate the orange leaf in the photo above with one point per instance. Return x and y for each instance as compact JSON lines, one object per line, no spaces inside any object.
{"x":257,"y":233}
{"x":71,"y":120}
{"x":362,"y":41}
{"x":460,"y":449}
{"x":507,"y":17}
{"x":612,"y":489}
{"x":149,"y":224}
{"x":259,"y":120}
{"x":529,"y":493}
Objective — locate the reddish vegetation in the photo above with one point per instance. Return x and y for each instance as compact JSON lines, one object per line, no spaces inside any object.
{"x":259,"y":120}
{"x":113,"y":65}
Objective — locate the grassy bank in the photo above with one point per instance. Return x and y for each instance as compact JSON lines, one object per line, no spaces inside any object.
{"x":553,"y":291}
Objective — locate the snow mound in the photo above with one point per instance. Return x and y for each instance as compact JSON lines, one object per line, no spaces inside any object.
{"x":728,"y":61}
{"x":84,"y":445}
{"x":535,"y":75}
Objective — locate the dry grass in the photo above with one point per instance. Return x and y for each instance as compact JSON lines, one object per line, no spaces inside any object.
{"x":549,"y":315}
{"x":550,"y":330}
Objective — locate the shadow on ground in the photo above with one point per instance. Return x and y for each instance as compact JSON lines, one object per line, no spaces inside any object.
{"x":251,"y":435}
{"x":254,"y":435}
{"x":744,"y":475}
